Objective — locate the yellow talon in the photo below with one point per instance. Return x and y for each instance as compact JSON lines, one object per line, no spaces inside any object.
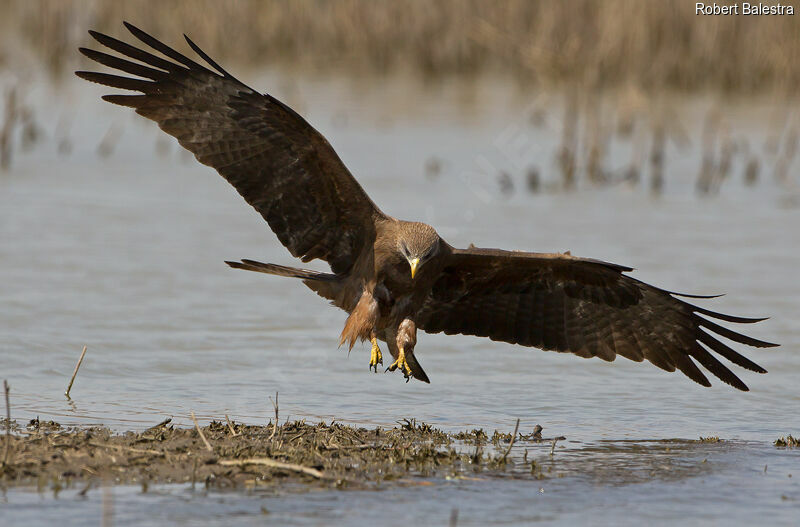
{"x":401,"y":363}
{"x":375,"y":357}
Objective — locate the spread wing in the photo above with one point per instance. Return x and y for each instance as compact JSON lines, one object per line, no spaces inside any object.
{"x":278,"y":162}
{"x":582,"y":306}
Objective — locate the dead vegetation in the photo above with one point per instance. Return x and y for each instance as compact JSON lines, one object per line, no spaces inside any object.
{"x":234,"y":455}
{"x":652,"y":45}
{"x":788,"y":441}
{"x":617,"y":64}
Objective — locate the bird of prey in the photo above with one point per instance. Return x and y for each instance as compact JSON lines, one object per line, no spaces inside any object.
{"x":394,"y":277}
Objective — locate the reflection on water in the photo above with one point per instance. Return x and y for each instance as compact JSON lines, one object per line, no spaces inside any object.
{"x":125,"y":254}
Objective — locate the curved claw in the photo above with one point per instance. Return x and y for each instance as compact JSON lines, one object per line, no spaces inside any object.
{"x":375,"y":356}
{"x":402,"y":364}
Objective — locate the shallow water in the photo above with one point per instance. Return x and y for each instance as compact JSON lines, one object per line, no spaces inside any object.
{"x":125,"y":255}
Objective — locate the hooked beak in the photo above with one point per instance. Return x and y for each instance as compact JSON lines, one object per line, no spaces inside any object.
{"x":414,"y":263}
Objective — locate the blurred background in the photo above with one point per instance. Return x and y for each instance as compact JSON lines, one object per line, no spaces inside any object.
{"x":632,"y":131}
{"x":616,"y":85}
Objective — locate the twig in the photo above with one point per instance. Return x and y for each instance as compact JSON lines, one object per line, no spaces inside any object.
{"x":553,"y":447}
{"x":86,"y":488}
{"x":74,"y":373}
{"x":129,"y":448}
{"x":6,"y":389}
{"x":352,"y":436}
{"x":513,"y":439}
{"x":162,"y":424}
{"x":274,"y":426}
{"x":230,"y":426}
{"x":202,"y":436}
{"x":298,"y":436}
{"x":274,"y":464}
{"x":328,"y":446}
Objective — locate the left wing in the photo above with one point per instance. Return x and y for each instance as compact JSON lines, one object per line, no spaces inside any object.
{"x":281,"y":165}
{"x":587,"y":307}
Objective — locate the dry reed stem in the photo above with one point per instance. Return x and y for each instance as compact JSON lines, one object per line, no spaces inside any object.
{"x":230,"y":426}
{"x":75,"y":372}
{"x":275,"y":464}
{"x":553,"y":446}
{"x":654,"y":45}
{"x":128,"y":448}
{"x":202,"y":435}
{"x":274,"y":426}
{"x":6,"y":389}
{"x":513,"y":440}
{"x":162,"y":424}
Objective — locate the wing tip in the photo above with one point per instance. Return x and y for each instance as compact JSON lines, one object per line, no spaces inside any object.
{"x":687,"y":295}
{"x":208,"y":59}
{"x":732,"y":335}
{"x":728,"y":318}
{"x":129,"y":101}
{"x":736,"y":382}
{"x":702,"y":382}
{"x":130,"y":27}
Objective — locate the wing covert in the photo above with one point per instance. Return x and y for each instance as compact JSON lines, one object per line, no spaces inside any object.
{"x":587,"y":307}
{"x":278,"y":162}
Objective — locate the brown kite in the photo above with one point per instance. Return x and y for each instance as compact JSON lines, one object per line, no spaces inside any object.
{"x":395,"y":276}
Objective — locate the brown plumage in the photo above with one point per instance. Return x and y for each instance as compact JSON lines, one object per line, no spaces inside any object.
{"x":393,"y":276}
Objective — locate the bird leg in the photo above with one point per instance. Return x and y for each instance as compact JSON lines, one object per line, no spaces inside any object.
{"x":401,"y":363}
{"x":375,"y":356}
{"x":406,"y":338}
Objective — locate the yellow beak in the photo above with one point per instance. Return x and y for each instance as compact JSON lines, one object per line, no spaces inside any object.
{"x":414,"y":263}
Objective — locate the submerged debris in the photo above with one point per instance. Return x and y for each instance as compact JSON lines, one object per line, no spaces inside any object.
{"x":788,"y":441}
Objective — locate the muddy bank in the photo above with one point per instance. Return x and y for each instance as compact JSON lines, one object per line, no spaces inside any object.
{"x":234,"y":455}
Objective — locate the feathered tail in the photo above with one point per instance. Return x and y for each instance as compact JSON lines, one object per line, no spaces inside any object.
{"x":282,"y":270}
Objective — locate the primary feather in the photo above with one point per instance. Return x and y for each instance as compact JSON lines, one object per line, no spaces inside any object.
{"x":291,"y":175}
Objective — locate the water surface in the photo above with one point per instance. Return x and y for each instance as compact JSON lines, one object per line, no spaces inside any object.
{"x":124,"y":254}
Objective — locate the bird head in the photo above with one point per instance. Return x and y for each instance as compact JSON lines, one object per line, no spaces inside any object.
{"x":418,"y":243}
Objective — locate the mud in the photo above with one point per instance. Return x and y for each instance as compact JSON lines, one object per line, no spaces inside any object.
{"x":234,"y":455}
{"x":788,"y":441}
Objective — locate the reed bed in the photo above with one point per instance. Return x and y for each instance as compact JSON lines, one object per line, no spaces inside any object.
{"x":611,"y":65}
{"x":653,"y":45}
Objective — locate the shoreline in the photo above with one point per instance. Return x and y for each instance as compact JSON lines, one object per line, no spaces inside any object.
{"x":228,"y":455}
